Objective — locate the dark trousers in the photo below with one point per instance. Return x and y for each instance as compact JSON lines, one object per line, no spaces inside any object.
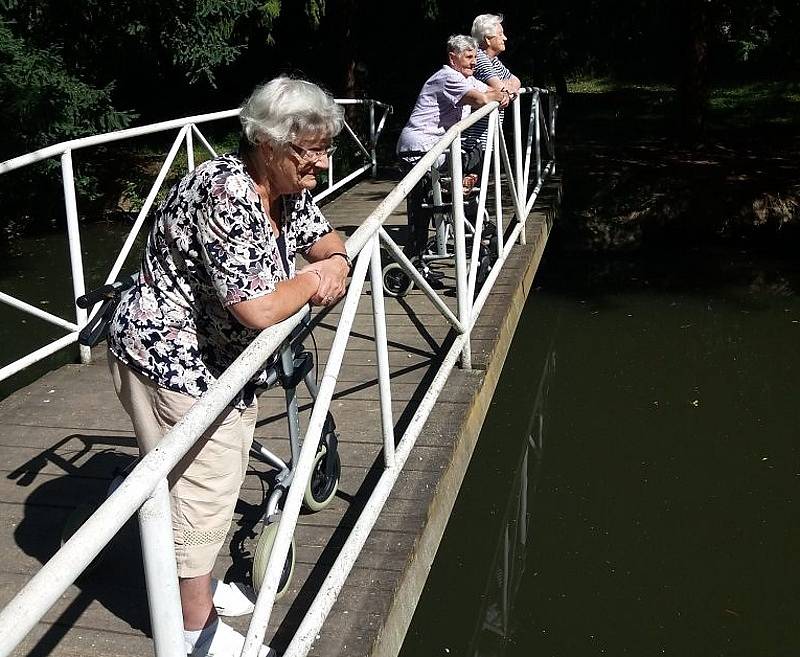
{"x":419,"y":218}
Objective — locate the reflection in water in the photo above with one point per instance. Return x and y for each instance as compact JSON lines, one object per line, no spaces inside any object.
{"x":666,"y":513}
{"x":476,"y":591}
{"x":493,"y":627}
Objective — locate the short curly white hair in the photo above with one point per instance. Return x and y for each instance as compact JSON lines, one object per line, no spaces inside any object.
{"x":284,"y":108}
{"x":484,"y":26}
{"x":458,"y":43}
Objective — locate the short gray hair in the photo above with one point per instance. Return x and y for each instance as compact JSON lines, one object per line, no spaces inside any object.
{"x":458,"y":43}
{"x":284,"y":108}
{"x":485,"y":25}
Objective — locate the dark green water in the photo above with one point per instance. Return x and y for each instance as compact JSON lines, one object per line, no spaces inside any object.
{"x":647,"y":420}
{"x":37,"y":271}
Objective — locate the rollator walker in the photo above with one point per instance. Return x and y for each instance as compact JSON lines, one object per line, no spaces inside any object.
{"x":294,"y":364}
{"x":440,"y":247}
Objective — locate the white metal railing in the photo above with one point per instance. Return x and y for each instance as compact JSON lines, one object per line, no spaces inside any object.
{"x":144,"y":489}
{"x":187,"y":131}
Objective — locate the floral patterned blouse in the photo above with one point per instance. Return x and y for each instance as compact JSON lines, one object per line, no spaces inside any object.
{"x":211,"y":246}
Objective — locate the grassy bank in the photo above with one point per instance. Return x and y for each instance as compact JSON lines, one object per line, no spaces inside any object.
{"x":632,"y":181}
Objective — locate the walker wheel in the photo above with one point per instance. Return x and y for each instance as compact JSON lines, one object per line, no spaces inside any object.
{"x":322,"y":487}
{"x":396,"y":282}
{"x":261,"y":559}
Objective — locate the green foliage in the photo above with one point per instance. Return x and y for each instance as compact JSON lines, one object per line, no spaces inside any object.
{"x":591,"y":85}
{"x":45,"y":103}
{"x":430,"y":9}
{"x":270,"y":11}
{"x":761,"y":103}
{"x":315,"y":10}
{"x":66,"y":67}
{"x":752,"y":30}
{"x":202,"y":34}
{"x":193,"y":38}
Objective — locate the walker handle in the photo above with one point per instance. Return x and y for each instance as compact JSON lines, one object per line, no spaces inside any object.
{"x":105,"y":292}
{"x":97,"y":326}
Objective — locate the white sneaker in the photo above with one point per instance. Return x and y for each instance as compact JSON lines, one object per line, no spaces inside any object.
{"x":225,"y":642}
{"x":232,"y":599}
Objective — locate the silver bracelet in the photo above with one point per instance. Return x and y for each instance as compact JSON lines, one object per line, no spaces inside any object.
{"x":314,"y":271}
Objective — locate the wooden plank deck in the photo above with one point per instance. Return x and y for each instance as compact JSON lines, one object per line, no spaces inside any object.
{"x":63,"y":437}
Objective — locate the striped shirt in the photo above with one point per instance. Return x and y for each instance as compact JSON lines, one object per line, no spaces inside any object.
{"x":485,"y":69}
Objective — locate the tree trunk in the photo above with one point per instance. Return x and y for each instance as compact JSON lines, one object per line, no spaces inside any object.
{"x":557,"y":70}
{"x":693,"y":84}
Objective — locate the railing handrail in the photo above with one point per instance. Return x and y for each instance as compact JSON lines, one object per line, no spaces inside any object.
{"x":44,"y":589}
{"x":55,"y":150}
{"x":187,"y":130}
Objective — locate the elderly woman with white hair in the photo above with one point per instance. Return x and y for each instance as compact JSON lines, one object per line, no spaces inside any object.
{"x":218,"y":267}
{"x":487,"y":30}
{"x":446,"y":97}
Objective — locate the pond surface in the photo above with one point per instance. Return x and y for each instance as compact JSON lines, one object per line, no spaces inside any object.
{"x":37,"y":271}
{"x":648,"y":422}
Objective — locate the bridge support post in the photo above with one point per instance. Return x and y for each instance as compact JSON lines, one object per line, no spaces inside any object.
{"x":189,"y":148}
{"x":382,"y":352}
{"x":161,"y":574}
{"x":518,"y":173}
{"x":373,"y":139}
{"x":74,"y":239}
{"x":537,"y":110}
{"x":553,"y":111}
{"x":462,"y":285}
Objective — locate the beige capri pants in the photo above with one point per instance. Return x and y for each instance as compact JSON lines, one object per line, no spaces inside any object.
{"x":205,"y":484}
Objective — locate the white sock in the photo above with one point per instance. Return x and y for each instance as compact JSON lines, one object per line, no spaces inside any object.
{"x":192,"y":637}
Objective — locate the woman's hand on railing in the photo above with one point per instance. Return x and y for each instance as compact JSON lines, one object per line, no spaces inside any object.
{"x":333,"y":273}
{"x":500,"y":95}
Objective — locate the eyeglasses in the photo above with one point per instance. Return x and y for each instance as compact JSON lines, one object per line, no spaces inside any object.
{"x":310,"y":154}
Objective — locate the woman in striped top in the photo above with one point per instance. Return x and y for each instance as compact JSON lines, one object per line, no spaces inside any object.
{"x":487,"y":30}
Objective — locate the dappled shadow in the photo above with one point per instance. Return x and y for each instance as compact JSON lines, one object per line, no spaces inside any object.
{"x":747,"y":280}
{"x":355,"y":506}
{"x":632,"y":181}
{"x":89,"y":463}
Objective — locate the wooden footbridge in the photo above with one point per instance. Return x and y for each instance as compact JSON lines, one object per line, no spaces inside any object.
{"x":65,"y":436}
